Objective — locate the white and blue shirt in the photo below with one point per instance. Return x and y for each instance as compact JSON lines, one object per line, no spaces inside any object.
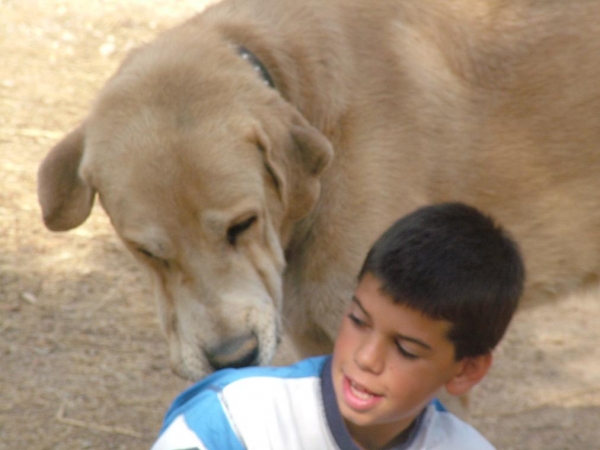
{"x":288,"y":408}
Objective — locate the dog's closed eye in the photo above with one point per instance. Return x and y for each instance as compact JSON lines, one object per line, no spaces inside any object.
{"x":234,"y":231}
{"x":151,"y":256}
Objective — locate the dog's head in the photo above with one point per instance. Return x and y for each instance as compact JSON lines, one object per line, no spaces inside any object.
{"x":203,"y":170}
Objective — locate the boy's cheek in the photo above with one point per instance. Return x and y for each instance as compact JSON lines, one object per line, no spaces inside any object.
{"x":344,"y":342}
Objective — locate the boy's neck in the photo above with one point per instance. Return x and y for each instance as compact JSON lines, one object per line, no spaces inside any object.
{"x":384,"y":436}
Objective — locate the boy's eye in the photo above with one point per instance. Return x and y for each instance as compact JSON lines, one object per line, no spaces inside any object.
{"x":405,"y":352}
{"x":356,"y":320}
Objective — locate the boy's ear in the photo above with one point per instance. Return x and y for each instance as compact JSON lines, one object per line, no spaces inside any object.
{"x":470,"y":372}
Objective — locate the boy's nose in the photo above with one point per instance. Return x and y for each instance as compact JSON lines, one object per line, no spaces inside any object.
{"x":370,"y":355}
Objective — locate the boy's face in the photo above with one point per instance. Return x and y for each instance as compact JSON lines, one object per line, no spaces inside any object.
{"x":388,"y":363}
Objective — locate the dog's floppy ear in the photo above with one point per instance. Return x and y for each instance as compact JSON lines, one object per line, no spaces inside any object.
{"x":297,"y":166}
{"x":66,"y":199}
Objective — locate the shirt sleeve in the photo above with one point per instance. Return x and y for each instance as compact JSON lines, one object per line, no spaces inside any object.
{"x":178,"y":436}
{"x":256,"y":408}
{"x":198,"y":420}
{"x":442,"y":430}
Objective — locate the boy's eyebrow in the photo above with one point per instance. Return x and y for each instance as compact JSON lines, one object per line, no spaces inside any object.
{"x":419,"y":342}
{"x":359,"y":304}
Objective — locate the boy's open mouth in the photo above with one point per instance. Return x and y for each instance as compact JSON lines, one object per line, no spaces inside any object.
{"x":357,"y":396}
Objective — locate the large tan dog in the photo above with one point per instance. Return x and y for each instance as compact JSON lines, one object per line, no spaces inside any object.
{"x":250,"y":156}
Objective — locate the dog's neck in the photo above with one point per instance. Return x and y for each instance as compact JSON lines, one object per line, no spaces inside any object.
{"x":257,"y":65}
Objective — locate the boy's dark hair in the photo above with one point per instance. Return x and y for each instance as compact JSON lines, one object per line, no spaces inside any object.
{"x":451,"y":262}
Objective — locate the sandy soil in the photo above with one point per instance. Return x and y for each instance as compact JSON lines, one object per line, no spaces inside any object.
{"x":82,"y":362}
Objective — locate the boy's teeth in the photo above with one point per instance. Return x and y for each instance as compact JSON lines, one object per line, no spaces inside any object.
{"x":360,"y":392}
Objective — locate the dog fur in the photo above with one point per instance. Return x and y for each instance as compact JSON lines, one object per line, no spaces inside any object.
{"x":253,"y":208}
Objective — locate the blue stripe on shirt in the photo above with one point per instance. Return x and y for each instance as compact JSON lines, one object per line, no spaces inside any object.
{"x":209,"y":421}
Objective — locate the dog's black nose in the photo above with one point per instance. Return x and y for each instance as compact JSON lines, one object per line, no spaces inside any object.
{"x":241,"y":351}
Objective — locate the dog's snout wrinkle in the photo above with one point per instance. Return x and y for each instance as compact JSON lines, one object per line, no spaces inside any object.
{"x":241,"y":351}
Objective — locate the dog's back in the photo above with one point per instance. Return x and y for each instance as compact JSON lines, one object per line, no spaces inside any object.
{"x":492,"y":103}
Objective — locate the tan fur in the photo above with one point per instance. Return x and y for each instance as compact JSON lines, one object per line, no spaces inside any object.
{"x":495,"y":103}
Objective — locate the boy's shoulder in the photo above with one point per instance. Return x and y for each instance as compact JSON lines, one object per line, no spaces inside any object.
{"x":261,"y":407}
{"x":249,"y":380}
{"x":310,"y":367}
{"x":441,"y":429}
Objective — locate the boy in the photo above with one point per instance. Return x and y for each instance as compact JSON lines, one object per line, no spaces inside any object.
{"x":434,"y":297}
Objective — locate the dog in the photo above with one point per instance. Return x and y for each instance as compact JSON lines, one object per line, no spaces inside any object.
{"x":250,"y":156}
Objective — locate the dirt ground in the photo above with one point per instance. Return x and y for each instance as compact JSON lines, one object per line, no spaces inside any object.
{"x":83,"y":364}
